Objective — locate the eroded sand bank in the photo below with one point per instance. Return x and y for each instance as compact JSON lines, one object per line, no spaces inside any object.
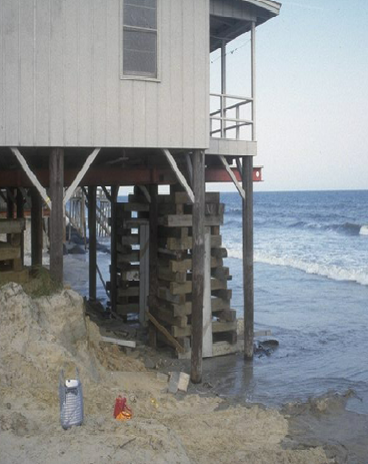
{"x":40,"y":336}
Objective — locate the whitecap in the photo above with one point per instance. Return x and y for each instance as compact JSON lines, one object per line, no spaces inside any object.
{"x":363,"y":230}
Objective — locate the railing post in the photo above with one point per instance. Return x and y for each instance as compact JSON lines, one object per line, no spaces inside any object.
{"x":237,"y":122}
{"x":253,"y":66}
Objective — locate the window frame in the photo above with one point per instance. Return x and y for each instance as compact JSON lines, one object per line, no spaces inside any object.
{"x":141,"y":77}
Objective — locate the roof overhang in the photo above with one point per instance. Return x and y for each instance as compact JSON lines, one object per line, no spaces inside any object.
{"x":226,"y":26}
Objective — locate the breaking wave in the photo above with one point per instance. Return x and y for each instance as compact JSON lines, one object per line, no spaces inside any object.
{"x":330,"y":271}
{"x":347,"y":228}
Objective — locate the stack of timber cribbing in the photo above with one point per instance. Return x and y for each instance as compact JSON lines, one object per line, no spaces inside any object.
{"x":132,"y":255}
{"x":11,"y":265}
{"x":175,"y":278}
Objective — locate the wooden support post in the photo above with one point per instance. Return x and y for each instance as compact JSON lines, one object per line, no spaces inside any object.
{"x":36,"y":228}
{"x":20,"y":215}
{"x":92,"y":243}
{"x":57,"y":213}
{"x":113,"y":267}
{"x":248,"y":273}
{"x":153,"y":261}
{"x":10,"y":192}
{"x":198,"y":257}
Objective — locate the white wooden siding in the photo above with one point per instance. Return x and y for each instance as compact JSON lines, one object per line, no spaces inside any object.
{"x":60,"y":77}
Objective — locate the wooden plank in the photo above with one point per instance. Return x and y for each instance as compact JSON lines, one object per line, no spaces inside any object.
{"x":36,"y":228}
{"x":129,"y":240}
{"x":207,"y":310}
{"x":248,"y":269}
{"x":165,"y":332}
{"x":179,"y":175}
{"x":19,"y":277}
{"x":183,"y":198}
{"x":217,"y":327}
{"x":56,"y":167}
{"x":198,"y":265}
{"x":165,"y":294}
{"x":135,"y":223}
{"x":186,"y":220}
{"x":186,"y":243}
{"x":164,"y":273}
{"x":219,"y":252}
{"x":129,"y":291}
{"x":8,"y":252}
{"x":186,"y":264}
{"x":119,"y":342}
{"x":143,"y":272}
{"x":180,"y":289}
{"x":92,"y":242}
{"x":221,"y":273}
{"x":32,"y":177}
{"x":167,"y":316}
{"x":70,"y":191}
{"x":12,"y":226}
{"x":136,"y":207}
{"x":218,"y":304}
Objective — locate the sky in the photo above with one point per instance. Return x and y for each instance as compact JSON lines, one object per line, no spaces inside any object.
{"x":312,"y":94}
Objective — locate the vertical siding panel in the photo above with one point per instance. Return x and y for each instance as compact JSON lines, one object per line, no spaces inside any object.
{"x":113,"y":73}
{"x":99,"y":72}
{"x":139,"y":112}
{"x":11,"y":48}
{"x":200,"y":75}
{"x":126,"y":112}
{"x":42,"y":73}
{"x":163,"y":91}
{"x":176,"y":75}
{"x":207,"y":73}
{"x":71,"y":72}
{"x":2,"y":75}
{"x":26,"y":73}
{"x":188,"y":74}
{"x":85,"y":45}
{"x":57,"y":73}
{"x":151,"y":114}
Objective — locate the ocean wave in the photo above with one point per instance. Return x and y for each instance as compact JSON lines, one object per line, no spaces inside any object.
{"x":347,"y":228}
{"x":330,"y":271}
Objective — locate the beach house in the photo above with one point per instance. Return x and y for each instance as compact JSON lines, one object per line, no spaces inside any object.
{"x":117,"y":92}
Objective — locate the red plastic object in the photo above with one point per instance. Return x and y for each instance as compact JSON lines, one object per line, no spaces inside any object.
{"x":121,"y":409}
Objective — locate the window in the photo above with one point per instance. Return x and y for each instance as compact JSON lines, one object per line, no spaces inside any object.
{"x":140,"y":38}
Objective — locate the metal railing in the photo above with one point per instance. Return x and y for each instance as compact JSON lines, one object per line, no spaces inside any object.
{"x":226,"y":122}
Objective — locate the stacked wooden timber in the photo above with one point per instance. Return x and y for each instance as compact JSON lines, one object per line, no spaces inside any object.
{"x":175,"y":278}
{"x":132,"y":231}
{"x":11,"y":264}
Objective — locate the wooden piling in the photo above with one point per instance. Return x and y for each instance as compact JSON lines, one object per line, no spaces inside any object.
{"x":92,"y":242}
{"x":153,"y":261}
{"x":113,"y":267}
{"x":20,"y":215}
{"x":248,"y":271}
{"x":36,"y":227}
{"x":56,"y":168}
{"x":198,"y":263}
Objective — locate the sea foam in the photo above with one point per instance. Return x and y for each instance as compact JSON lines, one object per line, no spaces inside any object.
{"x":364,"y":230}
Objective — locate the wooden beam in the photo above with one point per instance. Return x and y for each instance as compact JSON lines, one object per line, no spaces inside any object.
{"x":10,"y":202}
{"x":119,"y":341}
{"x":69,"y":193}
{"x":232,"y":176}
{"x":36,"y":228}
{"x":178,"y":174}
{"x":248,"y":270}
{"x":107,"y":193}
{"x":114,"y":262}
{"x":188,"y":160}
{"x":56,"y":168}
{"x":31,"y":176}
{"x":92,"y":243}
{"x":198,"y":265}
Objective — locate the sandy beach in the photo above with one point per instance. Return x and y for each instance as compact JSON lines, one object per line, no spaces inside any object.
{"x":40,"y":336}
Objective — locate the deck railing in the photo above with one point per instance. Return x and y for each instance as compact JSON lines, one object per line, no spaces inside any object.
{"x":228,"y":116}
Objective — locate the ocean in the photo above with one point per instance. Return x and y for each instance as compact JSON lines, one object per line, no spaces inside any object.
{"x":311,"y":291}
